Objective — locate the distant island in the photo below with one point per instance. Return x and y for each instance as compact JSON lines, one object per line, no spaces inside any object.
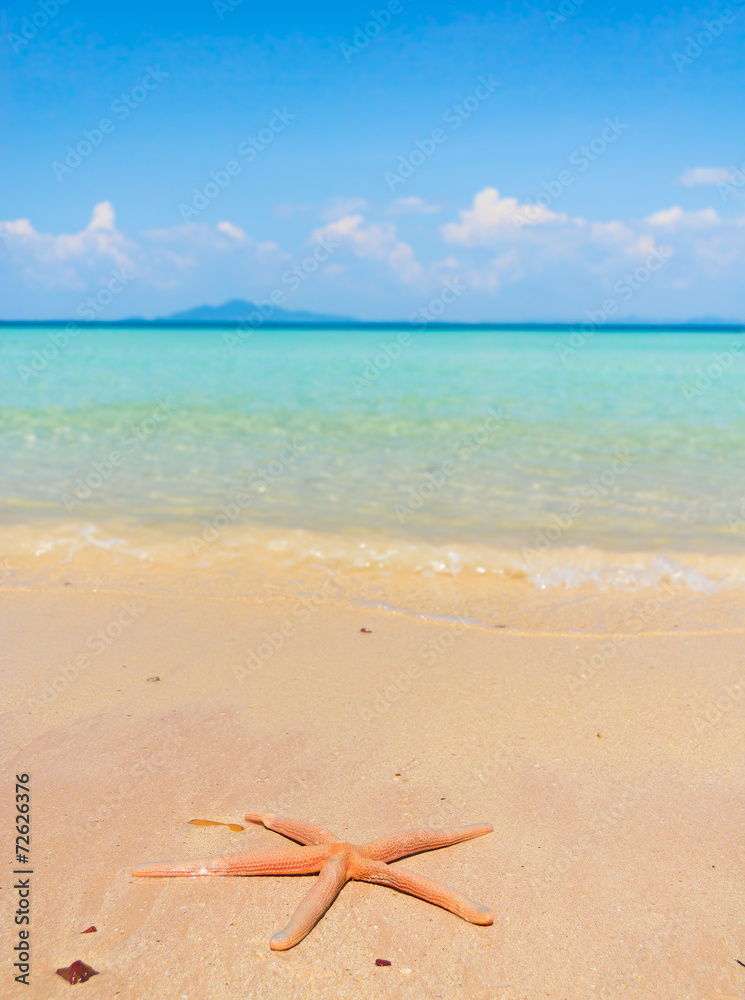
{"x":238,"y":309}
{"x":239,"y":312}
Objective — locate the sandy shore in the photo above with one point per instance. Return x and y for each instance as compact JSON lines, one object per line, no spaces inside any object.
{"x":609,"y":760}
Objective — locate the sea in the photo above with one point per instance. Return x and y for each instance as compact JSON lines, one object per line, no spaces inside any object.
{"x":613,"y":459}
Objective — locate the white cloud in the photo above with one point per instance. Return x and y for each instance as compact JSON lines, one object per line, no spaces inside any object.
{"x":42,"y":260}
{"x":706,"y":175}
{"x":675,"y":217}
{"x":491,"y":218}
{"x":69,"y":266}
{"x":491,"y":277}
{"x":552,"y":266}
{"x":103,"y":217}
{"x":611,"y":233}
{"x":666,"y":216}
{"x":719,"y":253}
{"x":235,"y":231}
{"x":412,"y":206}
{"x":644,"y":246}
{"x":373,"y":242}
{"x":403,"y":264}
{"x":557,"y":265}
{"x":18,"y":227}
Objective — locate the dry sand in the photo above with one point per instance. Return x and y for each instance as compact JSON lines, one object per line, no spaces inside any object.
{"x":616,"y":792}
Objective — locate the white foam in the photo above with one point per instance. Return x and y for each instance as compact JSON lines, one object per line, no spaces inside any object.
{"x":628,"y":577}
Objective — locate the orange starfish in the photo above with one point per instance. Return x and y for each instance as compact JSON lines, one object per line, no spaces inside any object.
{"x":337,"y":862}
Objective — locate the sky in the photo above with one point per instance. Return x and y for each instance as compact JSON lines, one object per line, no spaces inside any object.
{"x":558,"y":161}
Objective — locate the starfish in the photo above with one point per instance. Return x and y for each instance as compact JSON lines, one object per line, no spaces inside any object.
{"x":336,"y":862}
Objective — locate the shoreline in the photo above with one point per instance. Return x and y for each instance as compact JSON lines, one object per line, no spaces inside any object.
{"x":39,"y":552}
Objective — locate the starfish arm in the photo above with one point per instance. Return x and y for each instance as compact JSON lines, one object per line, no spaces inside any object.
{"x":423,"y":888}
{"x":325,"y":889}
{"x":399,"y":845}
{"x":290,"y":861}
{"x":303,"y":833}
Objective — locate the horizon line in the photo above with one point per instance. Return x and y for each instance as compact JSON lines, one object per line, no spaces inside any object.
{"x":578,"y":326}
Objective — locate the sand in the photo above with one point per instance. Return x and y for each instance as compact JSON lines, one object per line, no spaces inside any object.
{"x":614,"y":784}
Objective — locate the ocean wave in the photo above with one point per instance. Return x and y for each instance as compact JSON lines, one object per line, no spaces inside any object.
{"x":634,"y":576}
{"x":31,"y":550}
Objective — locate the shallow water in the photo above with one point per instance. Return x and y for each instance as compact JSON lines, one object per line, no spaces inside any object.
{"x":478,"y":442}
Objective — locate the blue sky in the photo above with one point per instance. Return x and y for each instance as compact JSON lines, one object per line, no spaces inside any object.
{"x":539,"y":160}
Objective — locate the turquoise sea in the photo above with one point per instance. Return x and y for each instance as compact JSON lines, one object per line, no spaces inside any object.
{"x":477,"y":442}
